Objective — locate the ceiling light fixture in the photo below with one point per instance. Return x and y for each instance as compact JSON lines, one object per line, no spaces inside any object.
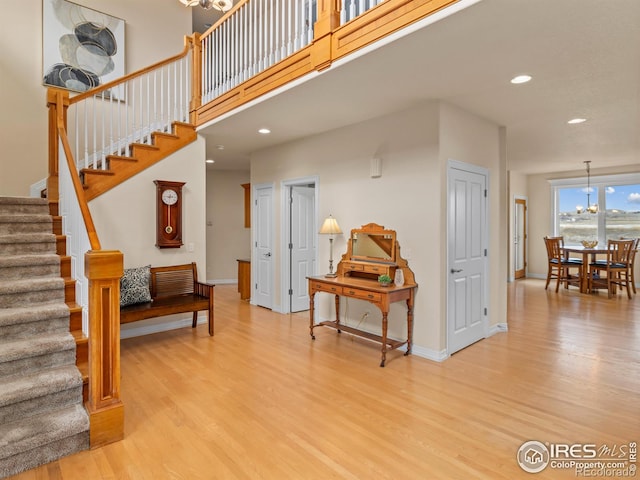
{"x":222,"y":5}
{"x":264,"y":131}
{"x":521,"y":79}
{"x":590,"y":208}
{"x":573,"y":121}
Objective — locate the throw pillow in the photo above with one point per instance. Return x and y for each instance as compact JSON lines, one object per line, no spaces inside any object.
{"x":134,"y":286}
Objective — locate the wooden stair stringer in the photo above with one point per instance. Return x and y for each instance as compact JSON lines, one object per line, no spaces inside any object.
{"x":143,"y":156}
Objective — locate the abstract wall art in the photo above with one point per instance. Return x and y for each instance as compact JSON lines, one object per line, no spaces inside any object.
{"x":82,"y":48}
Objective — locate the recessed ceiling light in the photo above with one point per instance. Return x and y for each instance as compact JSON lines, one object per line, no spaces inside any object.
{"x":264,"y":131}
{"x":577,"y":120}
{"x":521,"y":79}
{"x":210,"y":161}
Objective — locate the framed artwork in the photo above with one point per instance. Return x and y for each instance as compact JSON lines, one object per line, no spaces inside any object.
{"x":81,"y":47}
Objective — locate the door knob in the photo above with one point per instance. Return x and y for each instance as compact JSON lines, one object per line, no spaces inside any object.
{"x":456,"y":270}
{"x":268,"y":254}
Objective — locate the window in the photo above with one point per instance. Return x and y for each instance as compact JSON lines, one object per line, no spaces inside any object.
{"x":618,"y":203}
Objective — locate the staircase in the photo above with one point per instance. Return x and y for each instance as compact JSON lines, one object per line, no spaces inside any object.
{"x":42,"y":417}
{"x":119,"y":168}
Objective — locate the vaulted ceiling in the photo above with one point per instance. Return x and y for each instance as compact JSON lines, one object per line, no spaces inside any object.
{"x":583,"y":55}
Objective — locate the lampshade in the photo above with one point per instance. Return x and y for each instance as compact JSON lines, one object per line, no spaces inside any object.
{"x":330,"y":226}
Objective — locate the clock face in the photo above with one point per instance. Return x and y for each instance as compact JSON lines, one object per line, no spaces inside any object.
{"x":169,"y":197}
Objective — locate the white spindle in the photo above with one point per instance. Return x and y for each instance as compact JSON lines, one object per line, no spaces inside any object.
{"x":310,"y":23}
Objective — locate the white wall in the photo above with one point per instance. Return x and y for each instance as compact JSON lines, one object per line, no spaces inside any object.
{"x":471,"y":139}
{"x":125,"y":218}
{"x":227,"y":238}
{"x":407,"y":198}
{"x":154,"y":30}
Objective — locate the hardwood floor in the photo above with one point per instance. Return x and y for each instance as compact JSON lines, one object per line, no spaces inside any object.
{"x":260,"y":400}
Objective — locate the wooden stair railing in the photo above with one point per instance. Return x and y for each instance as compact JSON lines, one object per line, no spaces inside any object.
{"x":103,"y":270}
{"x":122,"y":127}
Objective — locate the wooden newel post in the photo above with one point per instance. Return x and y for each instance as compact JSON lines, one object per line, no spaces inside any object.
{"x":196,"y":75}
{"x":103,"y":269}
{"x":58,"y":103}
{"x":328,"y":20}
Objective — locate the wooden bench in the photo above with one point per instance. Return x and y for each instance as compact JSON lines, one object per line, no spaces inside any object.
{"x":174,"y":289}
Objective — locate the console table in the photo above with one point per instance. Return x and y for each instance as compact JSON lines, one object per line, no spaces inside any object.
{"x":356,"y":278}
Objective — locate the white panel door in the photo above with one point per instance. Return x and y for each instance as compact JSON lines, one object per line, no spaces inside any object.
{"x":466,"y":314}
{"x":263,"y":247}
{"x":303,"y":248}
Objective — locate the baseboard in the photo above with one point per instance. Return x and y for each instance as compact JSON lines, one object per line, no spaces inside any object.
{"x":428,"y":353}
{"x":139,"y":328}
{"x":498,"y":328}
{"x":223,"y":281}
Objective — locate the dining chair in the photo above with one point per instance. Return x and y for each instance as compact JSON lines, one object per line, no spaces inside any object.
{"x":618,"y":267}
{"x":559,"y":266}
{"x":632,"y":266}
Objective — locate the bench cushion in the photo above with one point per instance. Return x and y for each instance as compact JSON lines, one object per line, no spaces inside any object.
{"x":134,"y":286}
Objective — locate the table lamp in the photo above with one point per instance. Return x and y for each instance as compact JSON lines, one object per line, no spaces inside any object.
{"x":330,"y":227}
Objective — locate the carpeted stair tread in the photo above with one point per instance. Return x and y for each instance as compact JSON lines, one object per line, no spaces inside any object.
{"x":25,"y":348}
{"x":36,"y":320}
{"x":23,"y":206}
{"x":25,"y":218}
{"x":7,"y":261}
{"x":29,"y":266}
{"x":39,"y":430}
{"x":28,"y":238}
{"x":32,"y":313}
{"x":33,"y":284}
{"x":39,"y":392}
{"x":35,"y":291}
{"x":4,"y":200}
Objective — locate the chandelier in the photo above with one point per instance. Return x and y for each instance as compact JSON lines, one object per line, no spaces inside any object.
{"x":590,"y":208}
{"x":222,"y":5}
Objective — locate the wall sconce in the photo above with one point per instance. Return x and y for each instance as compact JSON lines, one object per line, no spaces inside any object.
{"x":330,"y":227}
{"x":376,"y":167}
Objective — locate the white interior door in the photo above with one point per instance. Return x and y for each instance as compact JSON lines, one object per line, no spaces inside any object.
{"x":302,"y":245}
{"x":466,"y":231}
{"x":263,"y":247}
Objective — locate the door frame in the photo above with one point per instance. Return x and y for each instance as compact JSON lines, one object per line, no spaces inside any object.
{"x":254,"y":236}
{"x":468,"y":167}
{"x":285,"y":210}
{"x":526,"y":234}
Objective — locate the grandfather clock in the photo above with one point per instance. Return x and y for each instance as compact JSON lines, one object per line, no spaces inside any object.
{"x":168,"y":214}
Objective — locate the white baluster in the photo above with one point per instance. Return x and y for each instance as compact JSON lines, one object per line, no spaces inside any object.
{"x":310,"y":23}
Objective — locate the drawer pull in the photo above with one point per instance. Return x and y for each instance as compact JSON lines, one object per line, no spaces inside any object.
{"x":333,"y":289}
{"x":375,"y":269}
{"x":351,"y":292}
{"x":370,"y":296}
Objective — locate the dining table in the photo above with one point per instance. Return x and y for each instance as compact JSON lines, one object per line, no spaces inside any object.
{"x":585,"y":252}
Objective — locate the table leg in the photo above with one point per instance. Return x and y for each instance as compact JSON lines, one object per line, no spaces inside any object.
{"x":338,"y":313}
{"x":311,"y":308}
{"x":409,"y":324}
{"x":384,"y":338}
